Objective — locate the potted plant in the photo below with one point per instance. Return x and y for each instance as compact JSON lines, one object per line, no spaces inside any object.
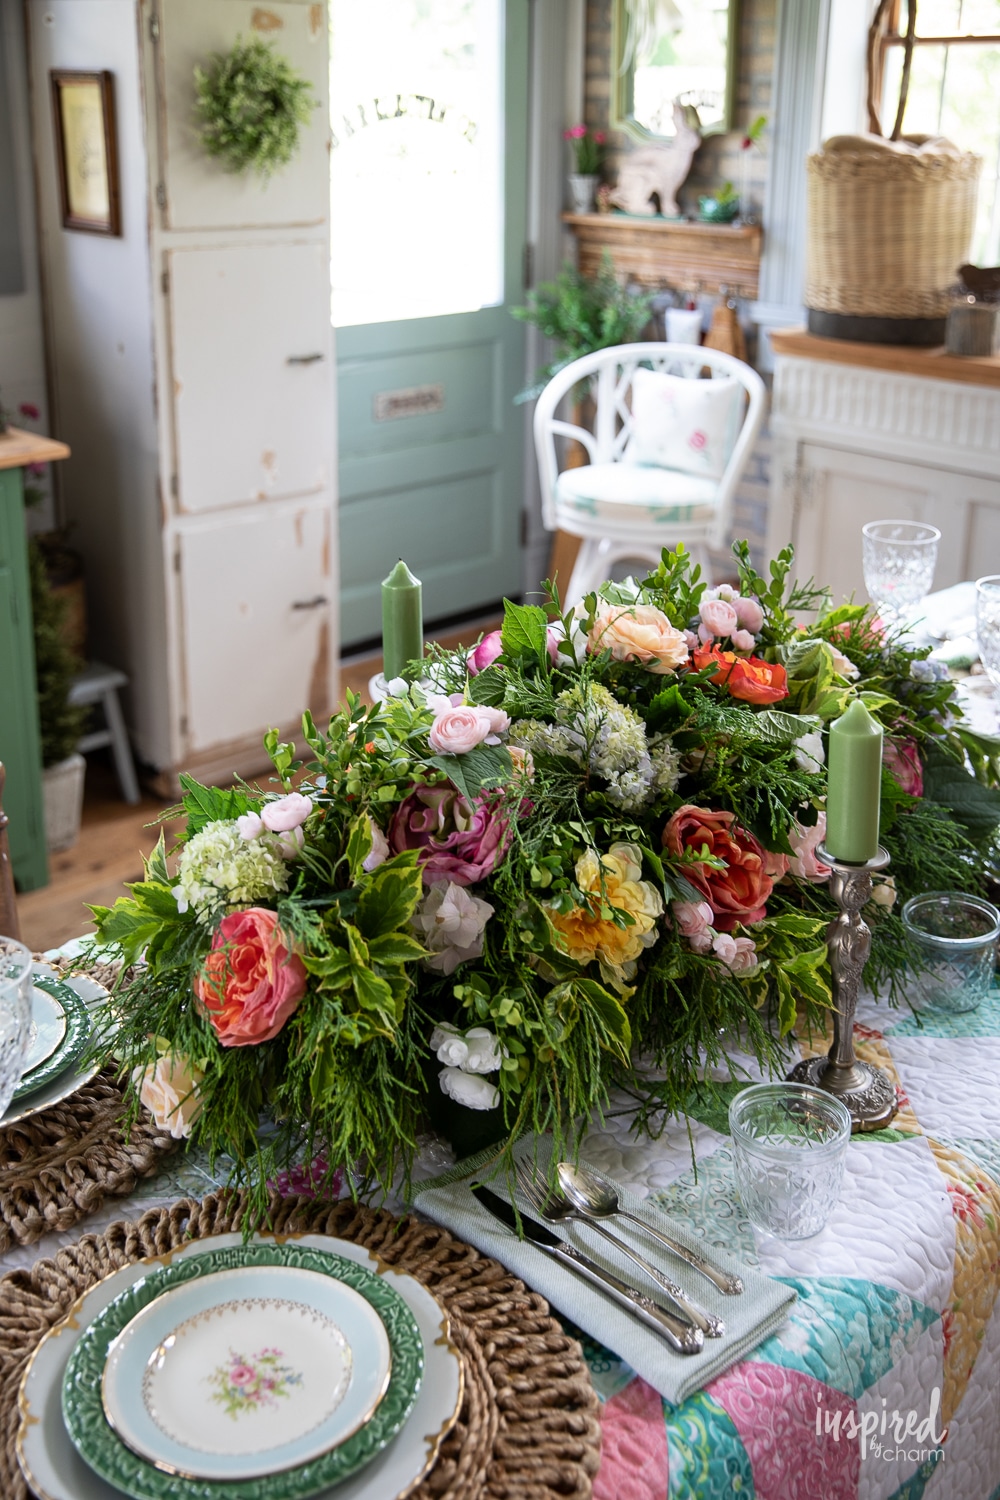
{"x":60,"y":721}
{"x":588,"y":152}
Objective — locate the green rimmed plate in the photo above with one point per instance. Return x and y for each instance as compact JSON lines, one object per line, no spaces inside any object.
{"x":75,"y":1034}
{"x":107,"y":1454}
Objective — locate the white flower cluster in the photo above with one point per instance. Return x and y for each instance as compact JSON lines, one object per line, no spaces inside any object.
{"x":449,"y":922}
{"x":467,"y":1058}
{"x":593,"y":729}
{"x":219,"y":869}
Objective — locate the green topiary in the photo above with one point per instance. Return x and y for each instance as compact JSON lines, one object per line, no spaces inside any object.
{"x":251,"y":107}
{"x":60,"y":723}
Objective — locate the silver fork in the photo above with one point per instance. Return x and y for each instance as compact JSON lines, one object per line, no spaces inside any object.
{"x":552,"y":1205}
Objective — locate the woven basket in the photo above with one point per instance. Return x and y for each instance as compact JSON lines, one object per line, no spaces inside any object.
{"x":889,"y":223}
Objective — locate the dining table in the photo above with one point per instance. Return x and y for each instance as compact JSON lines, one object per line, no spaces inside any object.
{"x":883,"y":1381}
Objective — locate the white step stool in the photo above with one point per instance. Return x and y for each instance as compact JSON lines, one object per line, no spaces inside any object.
{"x":98,"y":683}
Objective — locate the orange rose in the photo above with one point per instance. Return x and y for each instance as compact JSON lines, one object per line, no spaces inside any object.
{"x":739,"y":892}
{"x":747,"y":677}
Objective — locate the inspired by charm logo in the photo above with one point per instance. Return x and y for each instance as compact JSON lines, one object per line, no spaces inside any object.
{"x":892,"y":1436}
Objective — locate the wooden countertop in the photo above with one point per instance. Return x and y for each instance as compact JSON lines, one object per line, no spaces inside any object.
{"x":18,"y":448}
{"x":935,"y":364}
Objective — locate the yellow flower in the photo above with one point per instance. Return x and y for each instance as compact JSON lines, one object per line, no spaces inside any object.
{"x":585,"y":934}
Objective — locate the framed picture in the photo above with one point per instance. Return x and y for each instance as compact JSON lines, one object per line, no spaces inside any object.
{"x":86,"y":150}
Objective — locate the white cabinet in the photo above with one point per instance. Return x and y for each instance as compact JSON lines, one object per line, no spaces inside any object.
{"x":856,"y":443}
{"x":192,"y":367}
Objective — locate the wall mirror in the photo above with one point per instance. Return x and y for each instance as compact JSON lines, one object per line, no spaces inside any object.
{"x":665,"y":49}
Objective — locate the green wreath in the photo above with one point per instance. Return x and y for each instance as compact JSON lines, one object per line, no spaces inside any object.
{"x":251,"y":107}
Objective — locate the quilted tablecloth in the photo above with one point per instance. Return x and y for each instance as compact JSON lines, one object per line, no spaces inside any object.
{"x":884,"y":1384}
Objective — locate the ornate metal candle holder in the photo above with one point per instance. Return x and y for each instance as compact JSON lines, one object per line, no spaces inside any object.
{"x":867,"y":1091}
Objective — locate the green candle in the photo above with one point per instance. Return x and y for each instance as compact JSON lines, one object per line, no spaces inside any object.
{"x":402,"y":621}
{"x":854,"y":785}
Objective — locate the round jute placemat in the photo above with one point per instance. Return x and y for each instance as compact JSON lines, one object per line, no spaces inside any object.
{"x":529,"y":1426}
{"x":60,"y":1165}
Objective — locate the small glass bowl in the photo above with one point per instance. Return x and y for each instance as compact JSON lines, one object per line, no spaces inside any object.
{"x":954,"y":937}
{"x":789,"y":1146}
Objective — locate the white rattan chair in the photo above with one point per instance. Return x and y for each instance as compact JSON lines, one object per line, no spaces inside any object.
{"x":624,"y":509}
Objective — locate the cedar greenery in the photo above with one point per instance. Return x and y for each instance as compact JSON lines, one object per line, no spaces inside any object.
{"x":251,"y":107}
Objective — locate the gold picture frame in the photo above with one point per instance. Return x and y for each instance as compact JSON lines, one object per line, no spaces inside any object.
{"x":83,"y":106}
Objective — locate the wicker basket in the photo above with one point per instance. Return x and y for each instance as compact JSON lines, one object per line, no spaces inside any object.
{"x":889,"y":223}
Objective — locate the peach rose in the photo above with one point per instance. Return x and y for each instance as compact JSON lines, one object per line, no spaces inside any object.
{"x":251,"y":981}
{"x":737,"y":893}
{"x":639,"y":633}
{"x":169,"y":1090}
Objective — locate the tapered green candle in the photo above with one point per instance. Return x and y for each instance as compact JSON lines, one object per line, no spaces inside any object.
{"x":402,"y":621}
{"x":854,"y":785}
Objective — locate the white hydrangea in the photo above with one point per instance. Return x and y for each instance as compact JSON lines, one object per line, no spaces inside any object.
{"x":220,"y":870}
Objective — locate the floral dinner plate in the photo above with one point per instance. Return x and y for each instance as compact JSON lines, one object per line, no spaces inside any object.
{"x":246,"y":1372}
{"x":109,"y":1456}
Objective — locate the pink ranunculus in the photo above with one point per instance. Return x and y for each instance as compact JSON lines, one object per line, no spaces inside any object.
{"x":717,"y":616}
{"x":693,"y":919}
{"x":250,"y":826}
{"x":743,"y":640}
{"x":901,"y":759}
{"x":252,"y":979}
{"x":286,"y":813}
{"x":749,"y":613}
{"x":457,"y":840}
{"x":805,"y":842}
{"x":485,"y":654}
{"x":455,"y":731}
{"x":739,"y":954}
{"x":736,"y":893}
{"x":775,"y":865}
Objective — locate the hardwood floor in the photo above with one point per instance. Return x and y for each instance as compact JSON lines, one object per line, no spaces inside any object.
{"x":114,"y":836}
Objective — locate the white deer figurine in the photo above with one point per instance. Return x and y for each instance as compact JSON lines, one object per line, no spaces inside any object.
{"x":659,"y":169}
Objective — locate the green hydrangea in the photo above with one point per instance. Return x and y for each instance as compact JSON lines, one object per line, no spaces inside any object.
{"x":219,"y":870}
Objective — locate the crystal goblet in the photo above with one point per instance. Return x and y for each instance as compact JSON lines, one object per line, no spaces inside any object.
{"x":899,"y":559}
{"x":988,"y":625}
{"x":15,"y":1015}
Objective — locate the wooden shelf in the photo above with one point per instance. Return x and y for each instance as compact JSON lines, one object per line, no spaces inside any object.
{"x":901,"y":359}
{"x":19,"y":448}
{"x":671,"y":252}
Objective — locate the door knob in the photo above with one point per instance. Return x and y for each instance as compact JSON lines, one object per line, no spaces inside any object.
{"x":303,"y":359}
{"x":313,"y":603}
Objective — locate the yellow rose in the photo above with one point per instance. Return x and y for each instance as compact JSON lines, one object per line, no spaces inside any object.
{"x":639,"y":633}
{"x":169,"y":1090}
{"x":583,"y":934}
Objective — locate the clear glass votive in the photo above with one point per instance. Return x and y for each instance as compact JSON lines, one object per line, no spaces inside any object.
{"x":15,"y":1015}
{"x":789,"y":1144}
{"x":988,"y":625}
{"x":955,"y":937}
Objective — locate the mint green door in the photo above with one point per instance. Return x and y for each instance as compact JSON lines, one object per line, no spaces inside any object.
{"x":429,"y":109}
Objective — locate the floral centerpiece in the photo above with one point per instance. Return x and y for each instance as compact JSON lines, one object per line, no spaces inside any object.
{"x":579,"y":856}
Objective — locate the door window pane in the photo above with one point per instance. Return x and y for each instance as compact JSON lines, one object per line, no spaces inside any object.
{"x":416,"y":166}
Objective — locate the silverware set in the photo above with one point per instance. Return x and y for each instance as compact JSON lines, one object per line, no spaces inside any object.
{"x":584,"y":1198}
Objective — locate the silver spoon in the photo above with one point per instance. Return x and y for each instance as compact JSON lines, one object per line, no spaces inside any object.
{"x":595,"y":1200}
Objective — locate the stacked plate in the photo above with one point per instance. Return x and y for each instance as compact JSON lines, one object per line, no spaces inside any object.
{"x":242,"y":1371}
{"x":60,"y":1030}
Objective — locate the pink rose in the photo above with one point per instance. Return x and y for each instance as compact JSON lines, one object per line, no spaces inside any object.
{"x":749,"y":614}
{"x":805,"y":842}
{"x":483,"y":655}
{"x":743,"y":640}
{"x":458,"y":841}
{"x":286,"y":813}
{"x":455,"y":731}
{"x":717,"y":616}
{"x":693,"y":918}
{"x":252,"y":979}
{"x":901,"y":759}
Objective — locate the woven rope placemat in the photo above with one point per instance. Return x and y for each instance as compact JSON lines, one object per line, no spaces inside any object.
{"x":529,"y":1426}
{"x":58,"y":1166}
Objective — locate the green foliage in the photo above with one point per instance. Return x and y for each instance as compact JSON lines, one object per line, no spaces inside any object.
{"x":251,"y":107}
{"x":60,"y":723}
{"x":582,"y":314}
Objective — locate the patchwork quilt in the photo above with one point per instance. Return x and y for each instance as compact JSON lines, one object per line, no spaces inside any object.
{"x":884,"y":1384}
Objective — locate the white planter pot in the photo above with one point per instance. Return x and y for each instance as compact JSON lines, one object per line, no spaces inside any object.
{"x":581,"y":191}
{"x":62,"y":794}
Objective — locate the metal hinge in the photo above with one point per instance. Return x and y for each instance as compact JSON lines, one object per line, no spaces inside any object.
{"x":161,"y":195}
{"x":154,"y":27}
{"x":174,"y":487}
{"x":528,"y":266}
{"x":177,"y":557}
{"x":164,"y":282}
{"x":183,"y":726}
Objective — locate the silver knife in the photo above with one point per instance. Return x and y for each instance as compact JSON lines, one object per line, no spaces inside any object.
{"x":680,"y":1334}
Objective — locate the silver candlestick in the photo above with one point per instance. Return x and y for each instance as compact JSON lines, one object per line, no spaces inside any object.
{"x":868,"y":1092}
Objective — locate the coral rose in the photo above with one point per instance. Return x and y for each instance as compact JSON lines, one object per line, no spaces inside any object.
{"x":739,"y":892}
{"x":457,"y":840}
{"x":748,"y":678}
{"x":639,"y":633}
{"x":251,"y":981}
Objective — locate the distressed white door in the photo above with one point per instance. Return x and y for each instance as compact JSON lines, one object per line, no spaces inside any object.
{"x":251,"y":375}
